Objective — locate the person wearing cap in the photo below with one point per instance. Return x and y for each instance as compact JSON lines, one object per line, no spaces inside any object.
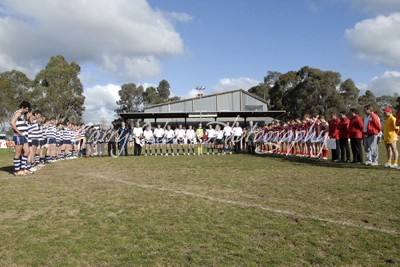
{"x":390,"y":139}
{"x":371,"y":130}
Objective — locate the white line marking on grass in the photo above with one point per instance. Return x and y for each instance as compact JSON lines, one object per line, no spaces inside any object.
{"x":248,"y":205}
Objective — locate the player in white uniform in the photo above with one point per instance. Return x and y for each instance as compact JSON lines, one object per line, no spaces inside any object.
{"x":159,"y":135}
{"x":137,"y":139}
{"x":237,"y":132}
{"x":228,"y":137}
{"x":180,"y":139}
{"x":190,"y":135}
{"x":210,"y":132}
{"x":219,"y":134}
{"x":148,"y":140}
{"x":169,"y":136}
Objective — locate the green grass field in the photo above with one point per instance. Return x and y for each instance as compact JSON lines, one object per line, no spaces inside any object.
{"x":234,"y":210}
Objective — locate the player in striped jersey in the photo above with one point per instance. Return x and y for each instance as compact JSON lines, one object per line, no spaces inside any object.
{"x":75,"y":137}
{"x":67,"y":140}
{"x":82,"y":140}
{"x":40,"y":150}
{"x":31,"y":157}
{"x":34,"y":139}
{"x":19,"y":124}
{"x":60,"y":140}
{"x":51,"y":131}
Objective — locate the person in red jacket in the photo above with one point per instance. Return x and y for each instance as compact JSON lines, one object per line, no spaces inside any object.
{"x":356,"y":126}
{"x":343,"y":128}
{"x":334,"y":134}
{"x":398,"y":123}
{"x":372,"y":128}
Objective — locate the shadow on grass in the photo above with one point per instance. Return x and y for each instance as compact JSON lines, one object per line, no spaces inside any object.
{"x":7,"y":169}
{"x":319,"y":162}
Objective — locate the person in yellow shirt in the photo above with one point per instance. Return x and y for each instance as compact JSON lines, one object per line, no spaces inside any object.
{"x":200,"y":135}
{"x":390,"y":138}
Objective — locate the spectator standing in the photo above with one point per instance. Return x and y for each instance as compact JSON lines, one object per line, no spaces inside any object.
{"x":101,"y":135}
{"x":356,"y":126}
{"x":111,"y":139}
{"x":250,"y":138}
{"x":398,"y":123}
{"x":123,"y":138}
{"x":390,"y":139}
{"x":89,"y":143}
{"x":343,"y":128}
{"x":371,"y":130}
{"x":334,"y":134}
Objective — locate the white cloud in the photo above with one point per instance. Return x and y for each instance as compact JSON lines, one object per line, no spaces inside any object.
{"x":123,"y":38}
{"x":227,"y":84}
{"x":100,"y":103}
{"x":378,"y":39}
{"x":377,"y":6}
{"x":192,"y":93}
{"x":147,"y":85}
{"x":386,"y":84}
{"x":180,"y":17}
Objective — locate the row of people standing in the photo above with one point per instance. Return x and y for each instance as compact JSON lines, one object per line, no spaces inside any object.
{"x":39,"y":140}
{"x":212,"y":138}
{"x":364,"y":131}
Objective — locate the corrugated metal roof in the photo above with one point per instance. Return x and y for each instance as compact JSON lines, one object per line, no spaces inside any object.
{"x":207,"y":96}
{"x":219,"y":114}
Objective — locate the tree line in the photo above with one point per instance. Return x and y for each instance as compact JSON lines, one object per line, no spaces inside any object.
{"x":134,"y":98}
{"x":313,"y":91}
{"x":56,"y":90}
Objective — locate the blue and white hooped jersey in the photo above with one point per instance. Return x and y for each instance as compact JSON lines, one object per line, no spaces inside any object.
{"x":21,"y":123}
{"x":51,"y":131}
{"x":34,"y":131}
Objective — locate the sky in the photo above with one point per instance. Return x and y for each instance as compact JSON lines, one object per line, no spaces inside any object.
{"x":220,"y":44}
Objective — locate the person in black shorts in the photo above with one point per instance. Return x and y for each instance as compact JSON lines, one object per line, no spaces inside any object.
{"x":159,"y":136}
{"x":219,"y":141}
{"x":169,"y":137}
